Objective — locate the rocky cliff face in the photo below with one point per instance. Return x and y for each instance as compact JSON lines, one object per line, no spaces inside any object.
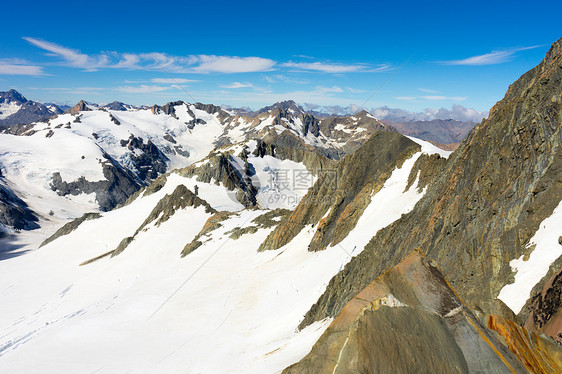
{"x":118,"y":185}
{"x":148,"y":160}
{"x":408,"y":320}
{"x":339,"y":197}
{"x":353,"y":131}
{"x":545,"y":306}
{"x":479,"y":214}
{"x":14,"y":212}
{"x":82,"y":106}
{"x":20,"y":111}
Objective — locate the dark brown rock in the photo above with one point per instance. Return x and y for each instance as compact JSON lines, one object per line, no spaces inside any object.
{"x":408,"y":320}
{"x":481,"y":211}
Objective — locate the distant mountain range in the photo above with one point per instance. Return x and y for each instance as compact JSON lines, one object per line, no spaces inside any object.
{"x":17,"y":110}
{"x":440,"y":131}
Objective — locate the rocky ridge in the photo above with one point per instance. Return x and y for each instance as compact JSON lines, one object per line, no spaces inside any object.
{"x":387,"y":328}
{"x":481,"y":211}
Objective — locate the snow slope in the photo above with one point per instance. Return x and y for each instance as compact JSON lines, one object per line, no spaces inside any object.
{"x":76,"y":146}
{"x":223,"y":308}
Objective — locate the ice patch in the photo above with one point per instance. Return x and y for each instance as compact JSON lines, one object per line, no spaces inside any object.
{"x":530,"y":272}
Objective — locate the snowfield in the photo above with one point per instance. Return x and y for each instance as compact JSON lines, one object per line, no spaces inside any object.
{"x":223,"y":308}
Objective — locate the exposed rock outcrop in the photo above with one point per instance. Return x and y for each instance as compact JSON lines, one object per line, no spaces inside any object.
{"x":480,"y":213}
{"x":352,"y":131}
{"x":179,"y":199}
{"x":116,"y":105}
{"x":82,"y":106}
{"x":537,"y":353}
{"x":70,"y":227}
{"x":545,"y":306}
{"x":148,"y":160}
{"x":118,"y":185}
{"x":217,"y":168}
{"x":28,"y":111}
{"x":14,"y":212}
{"x":344,"y":192}
{"x":408,"y":320}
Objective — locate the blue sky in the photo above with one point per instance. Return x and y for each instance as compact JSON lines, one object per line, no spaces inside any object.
{"x":411,"y":55}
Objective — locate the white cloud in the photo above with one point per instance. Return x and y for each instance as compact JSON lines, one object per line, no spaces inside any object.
{"x":457,"y":112}
{"x":128,"y":60}
{"x":354,"y":90}
{"x":227,"y":64}
{"x":335,"y":68}
{"x":72,"y":57}
{"x":492,"y":58}
{"x":439,"y":97}
{"x":427,"y":90}
{"x":142,"y":89}
{"x":200,"y":64}
{"x":172,"y":80}
{"x":432,"y":98}
{"x":282,"y":78}
{"x":74,"y":90}
{"x":326,"y":95}
{"x":13,"y":69}
{"x":333,"y":89}
{"x":237,"y":85}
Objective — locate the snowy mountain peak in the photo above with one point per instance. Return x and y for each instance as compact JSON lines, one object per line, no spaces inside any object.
{"x":82,"y":106}
{"x":287,"y":105}
{"x":15,"y":109}
{"x":117,"y":106}
{"x":12,"y":96}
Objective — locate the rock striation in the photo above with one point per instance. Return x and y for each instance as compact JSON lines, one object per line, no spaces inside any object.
{"x":481,"y":211}
{"x":408,"y":320}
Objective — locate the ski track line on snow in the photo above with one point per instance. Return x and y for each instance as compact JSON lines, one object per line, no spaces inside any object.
{"x":197,"y":270}
{"x":173,"y":352}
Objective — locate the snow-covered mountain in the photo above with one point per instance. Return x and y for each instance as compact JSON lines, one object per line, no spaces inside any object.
{"x":16,"y":109}
{"x":194,"y":221}
{"x":276,"y":242}
{"x":94,"y":157}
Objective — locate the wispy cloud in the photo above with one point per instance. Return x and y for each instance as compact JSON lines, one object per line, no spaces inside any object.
{"x":284,"y":79}
{"x":73,"y":90}
{"x":12,"y":69}
{"x":355,"y":90}
{"x":492,"y":58}
{"x":17,"y":66}
{"x":237,"y":85}
{"x":227,"y":64}
{"x":142,"y":89}
{"x":427,"y":90}
{"x":432,"y":98}
{"x":170,"y":80}
{"x":198,"y":64}
{"x":194,"y":64}
{"x":440,"y":97}
{"x":328,"y":95}
{"x":335,"y":68}
{"x":72,"y":57}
